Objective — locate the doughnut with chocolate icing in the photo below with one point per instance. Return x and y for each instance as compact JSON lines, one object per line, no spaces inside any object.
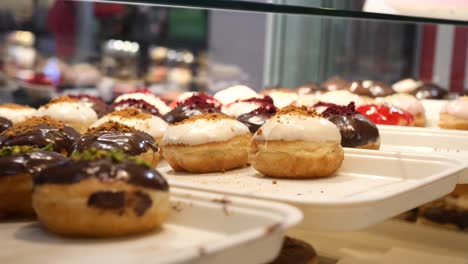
{"x":18,"y":164}
{"x":100,"y":194}
{"x":40,"y":132}
{"x":370,"y":88}
{"x":356,"y":130}
{"x":196,"y":104}
{"x":256,"y":118}
{"x":5,"y":124}
{"x":430,"y":91}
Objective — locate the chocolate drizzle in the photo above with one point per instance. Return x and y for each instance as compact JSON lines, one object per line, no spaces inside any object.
{"x":41,"y":136}
{"x":4,"y":124}
{"x":140,"y":104}
{"x":355,"y":129}
{"x":105,"y":170}
{"x":139,"y":201}
{"x":132,"y":143}
{"x":32,"y":162}
{"x":256,"y":118}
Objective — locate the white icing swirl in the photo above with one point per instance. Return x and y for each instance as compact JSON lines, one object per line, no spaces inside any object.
{"x":290,"y":127}
{"x":154,"y":125}
{"x":17,"y":115}
{"x":69,"y":113}
{"x":147,"y":97}
{"x":203,"y":131}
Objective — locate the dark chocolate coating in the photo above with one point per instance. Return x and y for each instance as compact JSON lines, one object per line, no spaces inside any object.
{"x":182,"y":112}
{"x":131,"y":143}
{"x":105,"y":170}
{"x":356,"y":130}
{"x":4,"y":124}
{"x":42,"y":136}
{"x":441,"y":215}
{"x":334,"y":83}
{"x":370,"y":88}
{"x":430,"y":91}
{"x":109,"y":200}
{"x":31,"y":162}
{"x":98,"y":106}
{"x":295,"y":251}
{"x":254,"y":120}
{"x":310,"y":88}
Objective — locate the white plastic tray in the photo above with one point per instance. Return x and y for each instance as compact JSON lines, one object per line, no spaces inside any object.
{"x":202,"y":228}
{"x":369,"y":187}
{"x":450,"y":143}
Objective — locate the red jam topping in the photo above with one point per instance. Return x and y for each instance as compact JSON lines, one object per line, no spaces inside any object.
{"x":40,"y":78}
{"x":333,"y":109}
{"x":384,"y":115}
{"x":140,"y":104}
{"x":201,"y":101}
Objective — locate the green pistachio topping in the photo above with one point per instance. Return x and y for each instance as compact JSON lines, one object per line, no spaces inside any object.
{"x":14,"y":150}
{"x":114,"y":155}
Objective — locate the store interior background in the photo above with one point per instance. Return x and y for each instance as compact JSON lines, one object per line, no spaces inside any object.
{"x":260,"y":50}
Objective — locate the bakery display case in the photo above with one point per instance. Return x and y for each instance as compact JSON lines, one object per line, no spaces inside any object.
{"x":220,"y":131}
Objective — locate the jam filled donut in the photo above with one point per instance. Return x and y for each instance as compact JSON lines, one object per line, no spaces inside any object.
{"x":386,"y":115}
{"x":70,"y":111}
{"x":17,"y":165}
{"x":296,"y":143}
{"x":409,"y":104}
{"x":146,"y":96}
{"x":296,"y":251}
{"x":115,"y":136}
{"x":196,"y":104}
{"x":5,"y":124}
{"x":241,"y":107}
{"x":356,"y":130}
{"x":137,"y":119}
{"x":454,"y":114}
{"x":256,"y":118}
{"x":206,"y":143}
{"x":98,"y":105}
{"x":40,"y":132}
{"x":100,"y":194}
{"x":16,"y":113}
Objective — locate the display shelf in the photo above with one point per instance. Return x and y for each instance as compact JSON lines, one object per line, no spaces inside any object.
{"x":287,"y":8}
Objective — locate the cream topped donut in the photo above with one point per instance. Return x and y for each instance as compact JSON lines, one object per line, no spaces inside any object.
{"x":406,"y":86}
{"x":296,"y":143}
{"x":206,"y":143}
{"x":454,"y":114}
{"x":234,"y":93}
{"x":241,"y":107}
{"x":147,"y":97}
{"x":341,"y":97}
{"x":70,"y":111}
{"x":409,"y":104}
{"x":137,"y":119}
{"x":16,"y":113}
{"x":282,"y":98}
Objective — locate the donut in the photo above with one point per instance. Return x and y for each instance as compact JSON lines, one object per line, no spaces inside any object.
{"x":5,"y":124}
{"x":310,"y":88}
{"x":140,"y":104}
{"x":206,"y":143}
{"x":70,"y":111}
{"x":296,"y":143}
{"x":133,"y":117}
{"x":196,"y":104}
{"x":409,"y":104}
{"x":41,"y":132}
{"x":454,"y":114}
{"x":334,"y":83}
{"x":370,"y":89}
{"x":256,"y":118}
{"x":406,"y":86}
{"x":296,"y":251}
{"x":115,"y":136}
{"x":356,"y":130}
{"x":430,"y":91}
{"x":16,"y":113}
{"x":100,"y":194}
{"x":18,"y":163}
{"x":148,"y":97}
{"x":234,"y":93}
{"x":342,"y":97}
{"x":97,"y":104}
{"x":386,"y":115}
{"x":240,"y":107}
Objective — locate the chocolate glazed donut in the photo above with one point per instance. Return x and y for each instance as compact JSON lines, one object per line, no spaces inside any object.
{"x":16,"y":179}
{"x":100,"y":197}
{"x":182,"y":112}
{"x":5,"y":124}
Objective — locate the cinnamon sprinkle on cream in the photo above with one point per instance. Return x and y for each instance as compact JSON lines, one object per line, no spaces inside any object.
{"x":31,"y":124}
{"x":294,"y":110}
{"x":207,"y":116}
{"x":111,"y":126}
{"x":131,"y":112}
{"x":15,"y":106}
{"x":62,"y":99}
